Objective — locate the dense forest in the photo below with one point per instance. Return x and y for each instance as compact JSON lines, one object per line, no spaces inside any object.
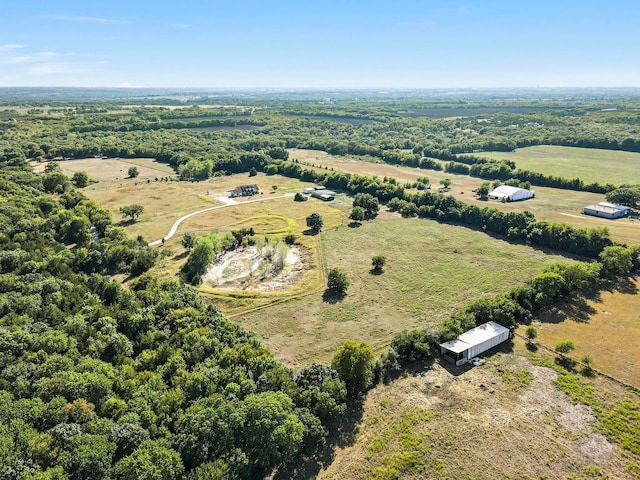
{"x":144,"y":380}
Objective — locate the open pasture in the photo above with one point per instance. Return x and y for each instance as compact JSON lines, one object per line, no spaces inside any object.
{"x":432,"y":270}
{"x":607,"y":328}
{"x":588,"y":164}
{"x":553,"y":204}
{"x":163,"y":202}
{"x":482,"y":425}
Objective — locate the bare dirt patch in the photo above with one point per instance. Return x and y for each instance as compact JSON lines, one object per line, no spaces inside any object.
{"x":476,"y":424}
{"x":250,"y":269}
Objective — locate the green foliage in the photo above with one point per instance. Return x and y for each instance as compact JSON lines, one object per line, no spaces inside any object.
{"x":531,"y":332}
{"x":152,"y":460}
{"x":378,"y":261}
{"x":354,"y":362}
{"x":483,"y":190}
{"x":616,"y":260}
{"x":133,"y":172}
{"x":189,"y":240}
{"x":131,"y":211}
{"x":564,"y":346}
{"x":337,"y":281}
{"x":413,"y":345}
{"x":253,"y":172}
{"x":628,"y":196}
{"x":298,"y":197}
{"x":357,"y":214}
{"x":315,"y":222}
{"x":369,"y":204}
{"x":80,"y":179}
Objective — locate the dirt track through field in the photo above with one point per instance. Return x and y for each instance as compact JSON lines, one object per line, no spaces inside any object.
{"x":228,"y":203}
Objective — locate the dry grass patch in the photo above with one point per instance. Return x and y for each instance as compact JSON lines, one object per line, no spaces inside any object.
{"x":606,"y":328}
{"x":432,"y":270}
{"x":476,"y":425}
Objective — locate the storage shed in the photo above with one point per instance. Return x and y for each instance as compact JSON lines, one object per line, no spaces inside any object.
{"x":473,"y":342}
{"x":606,"y":210}
{"x":511,"y":194}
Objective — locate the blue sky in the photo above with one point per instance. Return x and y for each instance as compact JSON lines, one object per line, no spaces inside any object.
{"x":320,"y":44}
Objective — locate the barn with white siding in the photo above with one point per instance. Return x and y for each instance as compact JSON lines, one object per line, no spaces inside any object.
{"x":511,"y":194}
{"x":473,"y":342}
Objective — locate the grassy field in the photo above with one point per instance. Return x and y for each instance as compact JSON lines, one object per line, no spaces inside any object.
{"x":613,"y":316}
{"x":505,"y":419}
{"x":588,"y":164}
{"x":432,"y":270}
{"x":556,"y":205}
{"x":163,"y":202}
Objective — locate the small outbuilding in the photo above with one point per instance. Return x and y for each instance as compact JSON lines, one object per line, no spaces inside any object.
{"x":606,"y":210}
{"x":473,"y":342}
{"x":323,"y":194}
{"x":245,"y":191}
{"x":511,"y":194}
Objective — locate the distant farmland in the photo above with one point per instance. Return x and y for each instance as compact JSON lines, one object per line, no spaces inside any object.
{"x":588,"y":164}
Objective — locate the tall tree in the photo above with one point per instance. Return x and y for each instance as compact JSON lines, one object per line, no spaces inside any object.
{"x":354,"y":362}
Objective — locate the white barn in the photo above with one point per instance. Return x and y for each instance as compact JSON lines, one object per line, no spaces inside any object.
{"x":511,"y":194}
{"x":473,"y":342}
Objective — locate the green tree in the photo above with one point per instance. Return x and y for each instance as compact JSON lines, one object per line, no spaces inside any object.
{"x":368,"y":202}
{"x":132,"y":211}
{"x":80,"y":179}
{"x":357,"y":214}
{"x":531,"y":333}
{"x":315,"y":222}
{"x":253,"y":172}
{"x":378,"y":261}
{"x":629,"y":197}
{"x":189,"y":240}
{"x":565,"y":346}
{"x":616,"y":260}
{"x":152,"y":460}
{"x":445,"y":182}
{"x":298,"y":197}
{"x":483,"y":190}
{"x":337,"y":281}
{"x":354,"y":362}
{"x":133,"y":172}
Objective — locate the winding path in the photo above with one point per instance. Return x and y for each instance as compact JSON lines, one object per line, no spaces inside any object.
{"x":229,"y":203}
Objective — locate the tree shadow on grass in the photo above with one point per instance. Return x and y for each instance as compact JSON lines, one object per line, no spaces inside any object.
{"x":376,"y":271}
{"x":342,"y":433}
{"x":331,"y":296}
{"x":354,"y":224}
{"x":577,"y":310}
{"x":310,"y":232}
{"x":181,"y":255}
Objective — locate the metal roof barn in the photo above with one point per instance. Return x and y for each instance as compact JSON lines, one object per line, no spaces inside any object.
{"x":473,"y":342}
{"x":511,"y":194}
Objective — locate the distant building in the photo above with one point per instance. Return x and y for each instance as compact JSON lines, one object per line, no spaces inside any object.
{"x":606,"y":210}
{"x":511,"y":194}
{"x":245,"y":191}
{"x":324,"y":194}
{"x":473,"y":342}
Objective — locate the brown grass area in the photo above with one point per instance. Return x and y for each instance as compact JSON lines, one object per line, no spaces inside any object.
{"x":556,"y":205}
{"x":432,"y":270}
{"x":436,"y":424}
{"x":607,"y":328}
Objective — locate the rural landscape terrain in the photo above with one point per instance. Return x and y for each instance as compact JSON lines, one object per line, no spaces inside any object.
{"x":237,"y":284}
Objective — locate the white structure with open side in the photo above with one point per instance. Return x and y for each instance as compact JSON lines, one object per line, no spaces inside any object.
{"x":473,"y":342}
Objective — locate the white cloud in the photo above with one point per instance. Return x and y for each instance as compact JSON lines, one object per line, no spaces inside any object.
{"x":81,"y":19}
{"x":10,"y":47}
{"x":180,"y":26}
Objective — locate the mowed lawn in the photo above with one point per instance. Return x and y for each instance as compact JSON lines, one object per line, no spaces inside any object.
{"x":432,"y":270}
{"x":588,"y":164}
{"x":607,"y":329}
{"x":552,"y":204}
